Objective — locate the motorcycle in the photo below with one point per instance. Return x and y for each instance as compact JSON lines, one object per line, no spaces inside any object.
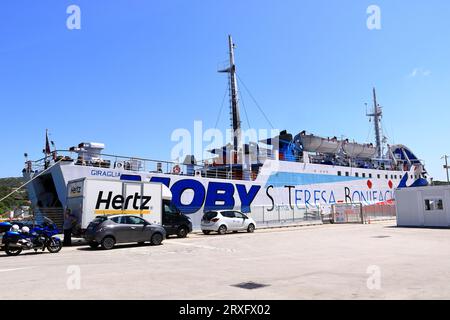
{"x":4,"y":227}
{"x":38,"y":238}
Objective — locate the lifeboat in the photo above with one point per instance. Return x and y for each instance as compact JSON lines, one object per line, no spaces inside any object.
{"x":358,"y":150}
{"x":312,"y":143}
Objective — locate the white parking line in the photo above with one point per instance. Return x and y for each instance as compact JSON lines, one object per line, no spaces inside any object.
{"x":16,"y":269}
{"x":199,"y":246}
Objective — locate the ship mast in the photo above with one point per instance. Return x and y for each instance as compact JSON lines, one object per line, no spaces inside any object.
{"x":377,"y":114}
{"x":234,"y":101}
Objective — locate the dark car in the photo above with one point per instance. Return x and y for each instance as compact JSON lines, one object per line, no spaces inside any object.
{"x":174,"y":221}
{"x":109,"y":230}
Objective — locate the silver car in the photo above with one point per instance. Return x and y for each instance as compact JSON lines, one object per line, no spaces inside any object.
{"x":109,"y":230}
{"x":227,"y":220}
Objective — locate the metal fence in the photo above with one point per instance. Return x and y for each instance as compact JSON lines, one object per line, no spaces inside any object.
{"x":347,"y":213}
{"x":359,"y":213}
{"x":379,"y":212}
{"x":285,"y":214}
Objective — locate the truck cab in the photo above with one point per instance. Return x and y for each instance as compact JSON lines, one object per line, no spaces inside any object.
{"x":173,"y":221}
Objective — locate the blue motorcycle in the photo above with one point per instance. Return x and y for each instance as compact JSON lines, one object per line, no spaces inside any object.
{"x":38,"y":238}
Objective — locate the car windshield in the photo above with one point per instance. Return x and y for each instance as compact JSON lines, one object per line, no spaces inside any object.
{"x":209,"y":215}
{"x":170,"y":208}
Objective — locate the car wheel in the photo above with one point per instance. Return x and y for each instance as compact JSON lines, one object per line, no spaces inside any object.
{"x":94,"y":245}
{"x":108,"y":243}
{"x":222,"y":229}
{"x":156,"y":239}
{"x":182,"y":232}
{"x":206,"y":232}
{"x":251,"y":228}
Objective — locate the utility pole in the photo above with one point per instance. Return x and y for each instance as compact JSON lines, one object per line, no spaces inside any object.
{"x":446,"y":167}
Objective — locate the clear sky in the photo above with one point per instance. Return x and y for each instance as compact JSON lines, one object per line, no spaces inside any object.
{"x":139,"y":69}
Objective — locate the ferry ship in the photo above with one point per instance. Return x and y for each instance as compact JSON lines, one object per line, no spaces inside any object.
{"x":300,"y":170}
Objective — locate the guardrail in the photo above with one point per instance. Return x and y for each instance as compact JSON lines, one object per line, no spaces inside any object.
{"x":285,"y":214}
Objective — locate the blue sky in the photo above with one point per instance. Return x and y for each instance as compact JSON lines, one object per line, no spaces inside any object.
{"x":137,"y":70}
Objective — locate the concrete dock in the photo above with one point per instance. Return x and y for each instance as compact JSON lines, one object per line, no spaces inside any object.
{"x":376,"y":261}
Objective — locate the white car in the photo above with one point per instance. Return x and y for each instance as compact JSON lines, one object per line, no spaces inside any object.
{"x":226,"y":220}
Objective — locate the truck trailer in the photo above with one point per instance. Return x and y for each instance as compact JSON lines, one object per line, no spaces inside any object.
{"x":88,"y":198}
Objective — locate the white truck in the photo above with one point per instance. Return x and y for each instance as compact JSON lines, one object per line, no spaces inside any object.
{"x":88,"y":198}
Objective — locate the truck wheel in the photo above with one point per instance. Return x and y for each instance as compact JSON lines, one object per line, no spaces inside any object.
{"x":222,"y":229}
{"x":156,"y":239}
{"x":108,"y":243}
{"x":182,"y":232}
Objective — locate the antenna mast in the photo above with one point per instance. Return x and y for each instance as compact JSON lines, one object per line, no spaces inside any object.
{"x":234,"y":101}
{"x":377,"y":114}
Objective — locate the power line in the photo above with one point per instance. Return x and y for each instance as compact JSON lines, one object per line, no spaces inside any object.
{"x":254,"y":100}
{"x":245,"y":109}
{"x":221,"y":107}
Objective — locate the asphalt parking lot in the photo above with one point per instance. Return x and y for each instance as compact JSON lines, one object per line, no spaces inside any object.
{"x":376,"y":261}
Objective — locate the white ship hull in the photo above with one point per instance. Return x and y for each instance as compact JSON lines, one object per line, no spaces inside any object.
{"x":279,"y":184}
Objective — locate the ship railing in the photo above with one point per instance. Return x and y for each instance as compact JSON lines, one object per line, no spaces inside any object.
{"x":136,"y":164}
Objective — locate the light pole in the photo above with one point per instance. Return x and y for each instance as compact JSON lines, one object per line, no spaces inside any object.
{"x":446,"y":167}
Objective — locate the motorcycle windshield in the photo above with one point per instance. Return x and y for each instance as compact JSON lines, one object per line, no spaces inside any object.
{"x":48,"y":221}
{"x":49,"y":224}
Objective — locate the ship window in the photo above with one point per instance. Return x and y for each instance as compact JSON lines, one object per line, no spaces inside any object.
{"x":347,"y":174}
{"x":370,"y":175}
{"x":387,"y":177}
{"x":412,"y":177}
{"x":356,"y":174}
{"x":379,"y":176}
{"x":392,"y":176}
{"x":363,"y":175}
{"x":339,"y":173}
{"x":395,"y":177}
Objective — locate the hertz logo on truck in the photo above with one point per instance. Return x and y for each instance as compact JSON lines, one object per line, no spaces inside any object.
{"x":132,"y":204}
